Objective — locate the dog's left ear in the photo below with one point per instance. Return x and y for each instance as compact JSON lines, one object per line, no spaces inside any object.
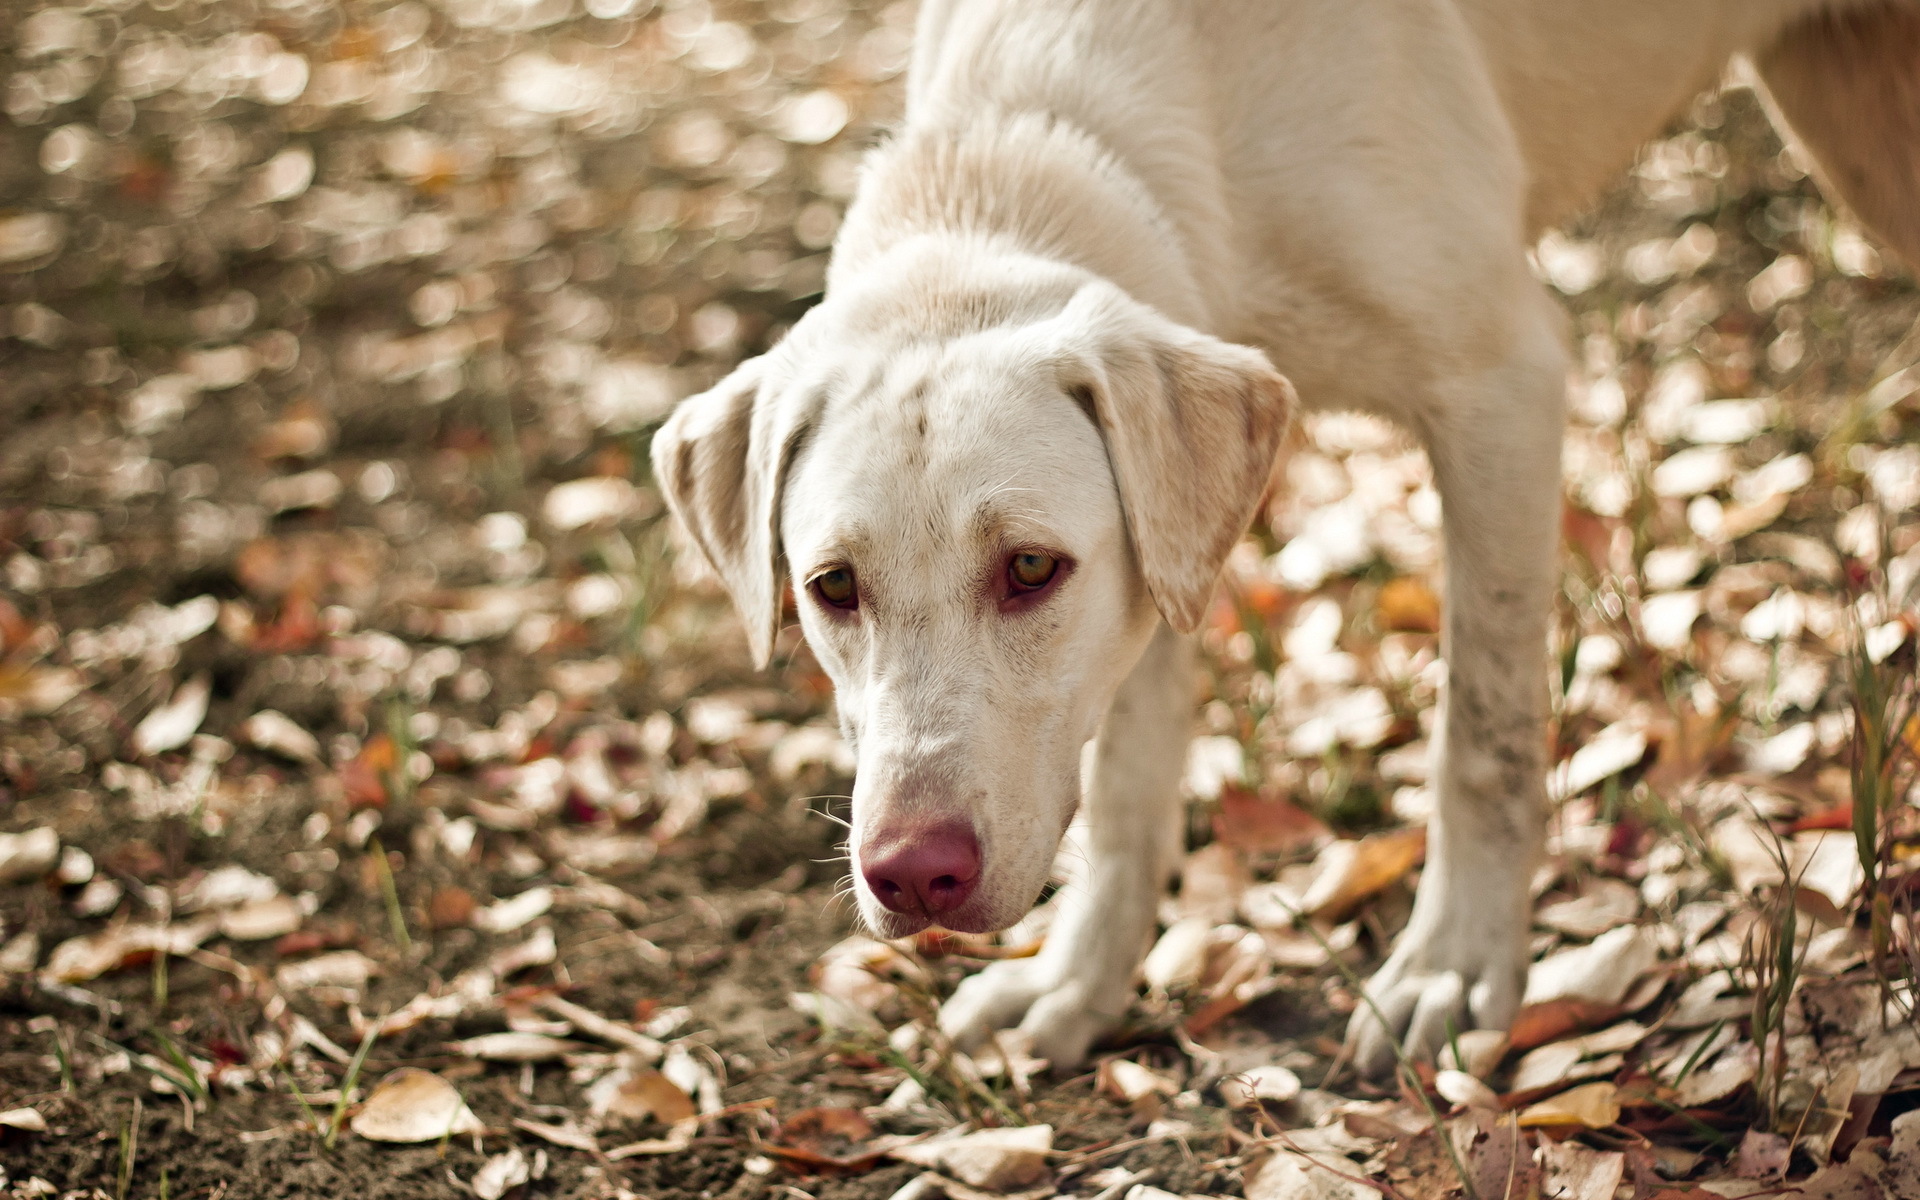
{"x":1192,"y":426}
{"x":721,"y":461}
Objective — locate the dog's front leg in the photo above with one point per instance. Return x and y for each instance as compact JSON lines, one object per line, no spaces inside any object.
{"x":1461,"y":963}
{"x":1079,"y":985}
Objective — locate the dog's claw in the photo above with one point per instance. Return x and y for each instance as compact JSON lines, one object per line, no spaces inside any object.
{"x":1055,"y":1014}
{"x":1431,"y":989}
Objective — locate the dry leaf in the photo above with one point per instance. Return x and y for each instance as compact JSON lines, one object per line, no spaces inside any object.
{"x":28,"y":855}
{"x":999,"y":1159}
{"x":1255,"y":823}
{"x":1211,"y":882}
{"x":1598,"y":973}
{"x":516,"y":1047}
{"x":1347,"y":873}
{"x":1605,"y":904}
{"x":262,"y":919}
{"x":501,"y":1174}
{"x":1593,"y":1105}
{"x":1409,"y":605}
{"x":637,"y":1093}
{"x":278,"y":733}
{"x":1614,"y":749}
{"x":1254,"y":1085}
{"x":411,"y":1105}
{"x":1480,"y":1051}
{"x":1575,"y":1172}
{"x":170,"y":725}
{"x":505,"y":916}
{"x":1179,"y":958}
{"x":80,"y":959}
{"x":833,"y":1139}
{"x":27,"y":1119}
{"x":342,"y":968}
{"x":1500,"y":1162}
{"x":1458,"y":1087}
{"x":1289,"y":1176}
{"x":1762,"y":1155}
{"x":1129,"y":1082}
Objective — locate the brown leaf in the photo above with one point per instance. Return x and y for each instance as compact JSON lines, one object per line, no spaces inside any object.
{"x":1593,"y":1105}
{"x":1350,"y":872}
{"x":1762,"y":1155}
{"x":451,"y":908}
{"x":829,"y":1139}
{"x":1408,"y":605}
{"x":1574,"y":1172}
{"x":1262,"y":824}
{"x":1500,"y":1162}
{"x":1211,"y":882}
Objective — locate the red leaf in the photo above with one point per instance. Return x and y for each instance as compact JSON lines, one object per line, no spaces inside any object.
{"x":1260,"y":824}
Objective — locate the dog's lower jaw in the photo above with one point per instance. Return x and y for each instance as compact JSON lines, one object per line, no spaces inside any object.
{"x":1460,"y":964}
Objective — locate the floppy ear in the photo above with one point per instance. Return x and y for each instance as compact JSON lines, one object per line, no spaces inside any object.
{"x":1192,"y":426}
{"x":721,"y":462}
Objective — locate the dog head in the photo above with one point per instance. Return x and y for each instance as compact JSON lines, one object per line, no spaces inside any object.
{"x":987,"y":482}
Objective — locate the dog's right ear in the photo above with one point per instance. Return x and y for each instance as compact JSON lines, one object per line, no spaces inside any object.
{"x":721,"y":461}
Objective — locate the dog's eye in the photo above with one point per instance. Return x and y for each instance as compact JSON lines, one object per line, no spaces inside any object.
{"x":836,"y":588}
{"x":1031,"y":571}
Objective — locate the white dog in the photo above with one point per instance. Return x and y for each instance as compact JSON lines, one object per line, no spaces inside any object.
{"x":1004,"y":459}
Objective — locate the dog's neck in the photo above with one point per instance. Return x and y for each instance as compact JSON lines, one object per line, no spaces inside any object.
{"x":1036,"y":164}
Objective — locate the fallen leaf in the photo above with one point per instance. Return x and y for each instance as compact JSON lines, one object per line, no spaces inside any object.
{"x":1290,"y":1176}
{"x":1179,"y":958}
{"x":1762,"y":1155}
{"x":1500,"y":1162}
{"x":638,"y":1093}
{"x":500,"y":1174}
{"x":1260,"y":824}
{"x":1614,"y":749}
{"x":516,"y":1047}
{"x":262,"y":919}
{"x":1408,"y":605}
{"x":1348,"y":872}
{"x":505,"y":916}
{"x":170,"y":725}
{"x":998,"y":1159}
{"x":1604,"y":904}
{"x":833,"y":1139}
{"x":411,"y":1105}
{"x":341,"y":968}
{"x":1272,"y":1084}
{"x":27,"y":1119}
{"x":1593,"y":1105}
{"x":1600,"y":972}
{"x":279,"y":734}
{"x":1129,"y":1082}
{"x":1458,"y":1087}
{"x":80,"y":959}
{"x":1479,"y":1052}
{"x":28,"y":855}
{"x":1576,"y":1172}
{"x":567,"y":1134}
{"x":1211,"y":882}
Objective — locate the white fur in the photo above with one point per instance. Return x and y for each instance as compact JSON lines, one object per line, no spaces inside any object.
{"x":1018,"y":349}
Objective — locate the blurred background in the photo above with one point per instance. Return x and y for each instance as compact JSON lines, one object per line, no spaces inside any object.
{"x":353,"y":697}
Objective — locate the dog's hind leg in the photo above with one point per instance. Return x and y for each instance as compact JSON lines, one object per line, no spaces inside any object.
{"x":1079,"y":985}
{"x":1494,"y":438}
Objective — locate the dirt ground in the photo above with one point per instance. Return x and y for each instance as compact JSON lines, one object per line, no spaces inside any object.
{"x":331,"y":337}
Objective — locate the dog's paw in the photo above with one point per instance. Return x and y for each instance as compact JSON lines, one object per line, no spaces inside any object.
{"x":1059,"y":1016}
{"x":1432,"y":988}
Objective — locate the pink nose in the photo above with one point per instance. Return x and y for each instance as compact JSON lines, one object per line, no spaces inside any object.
{"x":924,"y":870}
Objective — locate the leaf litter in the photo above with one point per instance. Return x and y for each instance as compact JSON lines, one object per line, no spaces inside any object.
{"x":352,"y":695}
